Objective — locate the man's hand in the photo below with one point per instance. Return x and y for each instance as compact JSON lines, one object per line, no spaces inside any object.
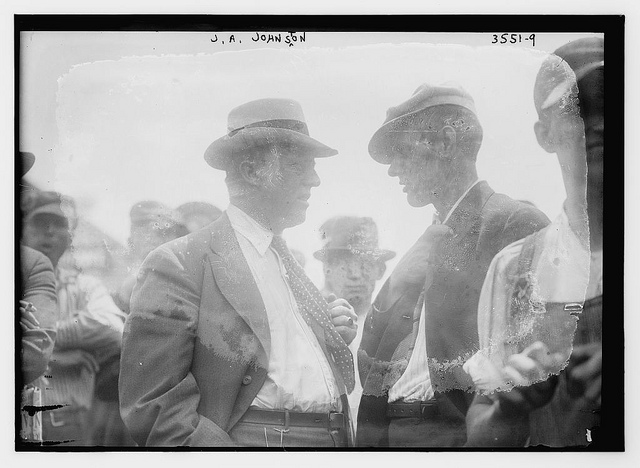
{"x":343,"y":317}
{"x":412,"y":268}
{"x":75,"y":358}
{"x":530,"y":372}
{"x":28,"y":321}
{"x":584,"y":372}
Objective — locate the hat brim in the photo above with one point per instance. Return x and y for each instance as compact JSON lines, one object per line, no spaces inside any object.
{"x":48,"y":209}
{"x":219,"y":153}
{"x":27,"y":160}
{"x":380,"y":144}
{"x":378,"y":254}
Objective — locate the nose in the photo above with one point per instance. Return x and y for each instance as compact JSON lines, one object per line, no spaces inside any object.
{"x":313,"y":179}
{"x":353,"y":271}
{"x":394,"y":168}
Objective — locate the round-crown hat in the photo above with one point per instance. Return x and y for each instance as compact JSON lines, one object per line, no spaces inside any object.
{"x":262,"y":122}
{"x":353,"y":234}
{"x":426,"y":96}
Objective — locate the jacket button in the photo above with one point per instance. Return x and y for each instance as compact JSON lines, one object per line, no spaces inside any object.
{"x":246,"y":380}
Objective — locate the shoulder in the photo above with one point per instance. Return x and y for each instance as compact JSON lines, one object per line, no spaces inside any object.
{"x":501,"y":211}
{"x":32,"y":261}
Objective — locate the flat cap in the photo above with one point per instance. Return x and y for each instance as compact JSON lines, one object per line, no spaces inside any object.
{"x":426,"y":96}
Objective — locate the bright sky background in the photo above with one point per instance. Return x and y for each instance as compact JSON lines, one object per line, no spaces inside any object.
{"x":114,"y":118}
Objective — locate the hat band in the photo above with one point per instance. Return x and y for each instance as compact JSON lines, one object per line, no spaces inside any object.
{"x":286,"y":124}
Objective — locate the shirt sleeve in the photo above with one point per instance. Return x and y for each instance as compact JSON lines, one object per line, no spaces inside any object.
{"x":37,"y":345}
{"x":97,"y":324}
{"x":493,"y":313}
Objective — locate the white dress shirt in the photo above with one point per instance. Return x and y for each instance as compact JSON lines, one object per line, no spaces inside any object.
{"x":415,"y":382}
{"x":299,"y":377}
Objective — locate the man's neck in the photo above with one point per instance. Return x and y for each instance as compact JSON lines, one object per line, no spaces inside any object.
{"x":453,"y":191}
{"x":257,"y":214}
{"x":575,"y":209}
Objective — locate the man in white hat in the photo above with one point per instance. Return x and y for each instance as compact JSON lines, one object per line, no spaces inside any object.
{"x":228,"y":342}
{"x":423,"y":324}
{"x":556,"y":277}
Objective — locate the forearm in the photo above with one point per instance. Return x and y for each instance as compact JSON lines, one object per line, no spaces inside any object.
{"x":37,"y":346}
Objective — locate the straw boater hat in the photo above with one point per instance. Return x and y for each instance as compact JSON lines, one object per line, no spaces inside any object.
{"x":262,"y":122}
{"x":424,"y":97}
{"x":351,"y":234}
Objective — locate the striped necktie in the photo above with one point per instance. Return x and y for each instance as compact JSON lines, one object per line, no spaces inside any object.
{"x":313,"y":307}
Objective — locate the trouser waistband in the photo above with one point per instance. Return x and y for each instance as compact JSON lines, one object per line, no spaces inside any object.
{"x":416,"y":409}
{"x":287,"y":418}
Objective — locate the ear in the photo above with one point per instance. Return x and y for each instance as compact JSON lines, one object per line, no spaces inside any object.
{"x":544,"y":137}
{"x":382,"y":267}
{"x":248,"y":172}
{"x":448,"y":142}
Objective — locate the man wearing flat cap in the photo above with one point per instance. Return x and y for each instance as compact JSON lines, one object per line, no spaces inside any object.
{"x":555,"y":325}
{"x":352,"y":263}
{"x":228,"y":342}
{"x":89,"y":329}
{"x":423,"y":324}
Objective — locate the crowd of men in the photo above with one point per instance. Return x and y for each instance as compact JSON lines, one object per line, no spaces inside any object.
{"x":488,"y":332}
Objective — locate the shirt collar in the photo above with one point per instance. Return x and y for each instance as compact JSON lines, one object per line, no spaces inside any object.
{"x":259,"y":236}
{"x":455,"y":205}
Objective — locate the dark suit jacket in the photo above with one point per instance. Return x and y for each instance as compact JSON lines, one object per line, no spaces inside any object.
{"x":483,"y":223}
{"x":196,"y":343}
{"x":39,"y":288}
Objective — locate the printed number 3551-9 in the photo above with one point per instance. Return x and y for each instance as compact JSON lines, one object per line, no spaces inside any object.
{"x":505,"y":38}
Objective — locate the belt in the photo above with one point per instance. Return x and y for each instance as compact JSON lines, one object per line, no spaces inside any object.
{"x":416,"y":409}
{"x":289,"y":418}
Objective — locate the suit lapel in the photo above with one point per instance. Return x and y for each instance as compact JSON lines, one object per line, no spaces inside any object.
{"x":234,"y":278}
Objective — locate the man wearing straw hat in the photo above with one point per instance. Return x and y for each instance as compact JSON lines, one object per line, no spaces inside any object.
{"x":228,"y":342}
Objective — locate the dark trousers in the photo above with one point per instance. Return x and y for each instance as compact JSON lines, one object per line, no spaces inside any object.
{"x":418,"y":432}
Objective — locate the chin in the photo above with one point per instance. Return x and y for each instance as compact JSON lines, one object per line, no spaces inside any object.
{"x":294,"y":219}
{"x":417,"y":202}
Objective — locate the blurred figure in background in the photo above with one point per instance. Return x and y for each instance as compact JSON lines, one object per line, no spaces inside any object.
{"x":89,"y":329}
{"x":532,"y":315}
{"x":352,"y":264}
{"x":196,"y":215}
{"x":38,"y":315}
{"x":152,"y":224}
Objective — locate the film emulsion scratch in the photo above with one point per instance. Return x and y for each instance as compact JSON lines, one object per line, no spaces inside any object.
{"x":306,"y":239}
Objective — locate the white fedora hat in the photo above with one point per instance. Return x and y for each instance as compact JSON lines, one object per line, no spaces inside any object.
{"x":262,"y":122}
